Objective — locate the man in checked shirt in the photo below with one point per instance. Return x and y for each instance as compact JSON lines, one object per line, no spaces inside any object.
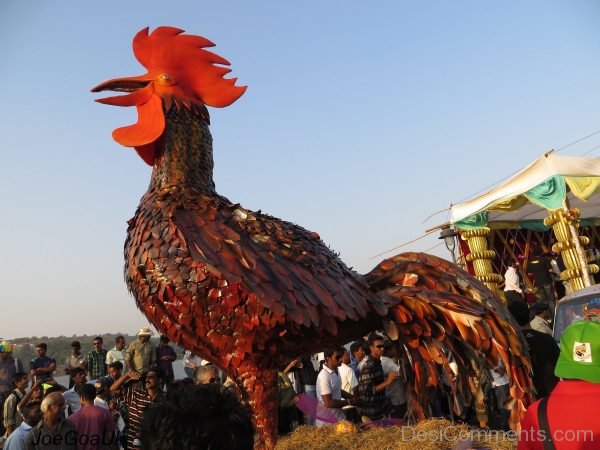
{"x":373,"y":403}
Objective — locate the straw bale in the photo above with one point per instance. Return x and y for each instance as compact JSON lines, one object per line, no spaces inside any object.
{"x":432,"y":434}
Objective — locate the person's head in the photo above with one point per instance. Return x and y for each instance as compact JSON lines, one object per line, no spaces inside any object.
{"x":333,"y":357}
{"x":206,"y":375}
{"x":346,"y":356}
{"x":49,"y":388}
{"x":163,"y":341}
{"x":579,"y":357}
{"x":153,"y":378}
{"x":115,"y":370}
{"x":537,"y":251}
{"x":540,"y":309}
{"x":41,"y":349}
{"x":6,"y":350}
{"x":120,"y":342}
{"x":77,"y":374}
{"x":511,"y":263}
{"x":37,"y":392}
{"x":102,"y":387}
{"x":87,"y":393}
{"x":520,"y":311}
{"x":376,"y":345}
{"x":98,"y":343}
{"x":31,"y":412}
{"x":358,"y":350}
{"x":20,"y":381}
{"x":53,"y":405}
{"x":144,"y":334}
{"x":390,"y":350}
{"x":76,"y":347}
{"x":199,"y":417}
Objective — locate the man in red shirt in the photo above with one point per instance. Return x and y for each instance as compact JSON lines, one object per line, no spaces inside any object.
{"x":571,"y":418}
{"x":95,"y":426}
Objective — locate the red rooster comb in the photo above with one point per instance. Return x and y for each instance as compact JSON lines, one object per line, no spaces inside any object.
{"x":180,"y":73}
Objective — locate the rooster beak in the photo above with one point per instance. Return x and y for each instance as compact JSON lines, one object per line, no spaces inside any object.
{"x":140,"y":87}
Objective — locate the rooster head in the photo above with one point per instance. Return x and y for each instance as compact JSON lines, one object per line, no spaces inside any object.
{"x":180,"y":74}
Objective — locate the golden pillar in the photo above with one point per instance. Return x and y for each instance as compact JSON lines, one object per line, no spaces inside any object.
{"x":564,"y":223}
{"x":481,"y":257}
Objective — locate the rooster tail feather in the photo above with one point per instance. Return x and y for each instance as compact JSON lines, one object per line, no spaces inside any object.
{"x":453,"y":332}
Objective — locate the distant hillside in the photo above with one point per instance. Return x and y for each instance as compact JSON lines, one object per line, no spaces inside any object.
{"x":60,"y":347}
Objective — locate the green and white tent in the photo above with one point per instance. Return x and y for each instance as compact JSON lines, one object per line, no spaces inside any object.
{"x":549,"y":183}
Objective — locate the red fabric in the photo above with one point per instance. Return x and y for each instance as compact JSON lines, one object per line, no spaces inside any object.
{"x":572,"y":417}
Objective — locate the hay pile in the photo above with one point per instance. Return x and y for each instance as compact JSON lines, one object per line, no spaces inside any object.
{"x":432,"y":434}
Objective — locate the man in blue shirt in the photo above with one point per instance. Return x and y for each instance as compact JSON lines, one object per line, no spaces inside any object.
{"x":41,"y":368}
{"x":32,"y":414}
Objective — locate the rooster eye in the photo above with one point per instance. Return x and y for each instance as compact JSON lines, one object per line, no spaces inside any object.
{"x":164,"y":76}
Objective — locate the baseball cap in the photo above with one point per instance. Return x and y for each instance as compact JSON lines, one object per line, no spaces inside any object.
{"x":102,"y":384}
{"x":580,"y":352}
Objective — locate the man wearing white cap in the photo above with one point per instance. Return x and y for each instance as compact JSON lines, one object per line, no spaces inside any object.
{"x":141,"y":353}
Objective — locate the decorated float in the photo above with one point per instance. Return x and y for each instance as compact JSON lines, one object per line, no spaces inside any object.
{"x":553,"y":203}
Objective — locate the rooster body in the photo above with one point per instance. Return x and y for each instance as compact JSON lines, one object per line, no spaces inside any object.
{"x":248,"y":291}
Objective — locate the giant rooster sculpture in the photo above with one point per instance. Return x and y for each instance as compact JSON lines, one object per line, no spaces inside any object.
{"x":248,"y":291}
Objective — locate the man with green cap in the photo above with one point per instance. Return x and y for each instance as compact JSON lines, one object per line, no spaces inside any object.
{"x":568,"y":418}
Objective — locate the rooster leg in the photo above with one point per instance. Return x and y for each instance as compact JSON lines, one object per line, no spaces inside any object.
{"x":257,"y":384}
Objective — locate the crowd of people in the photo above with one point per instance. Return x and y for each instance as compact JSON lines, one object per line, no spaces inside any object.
{"x":369,"y":383}
{"x":126,"y":397}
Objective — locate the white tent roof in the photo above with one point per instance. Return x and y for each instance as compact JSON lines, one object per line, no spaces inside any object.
{"x":537,"y":172}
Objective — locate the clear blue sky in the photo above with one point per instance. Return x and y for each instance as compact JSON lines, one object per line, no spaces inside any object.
{"x":360,"y":120}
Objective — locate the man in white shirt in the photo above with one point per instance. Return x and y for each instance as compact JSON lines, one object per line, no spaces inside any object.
{"x":540,"y":321}
{"x":349,"y":382}
{"x":512,"y":288}
{"x":32,"y":414}
{"x":396,"y":391}
{"x":102,"y":386}
{"x":190,"y":363}
{"x":329,"y":386}
{"x":347,"y":376}
{"x":117,"y":353}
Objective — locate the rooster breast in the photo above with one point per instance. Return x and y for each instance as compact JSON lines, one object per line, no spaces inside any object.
{"x":224,"y":281}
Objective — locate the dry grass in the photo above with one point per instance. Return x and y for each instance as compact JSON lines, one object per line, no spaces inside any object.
{"x":433,"y":434}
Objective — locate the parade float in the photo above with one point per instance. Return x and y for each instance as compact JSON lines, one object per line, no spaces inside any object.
{"x":553,"y":203}
{"x":249,"y":292}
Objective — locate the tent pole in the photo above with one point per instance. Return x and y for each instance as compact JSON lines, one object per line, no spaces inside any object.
{"x":582,"y":260}
{"x":481,"y":257}
{"x":569,"y":244}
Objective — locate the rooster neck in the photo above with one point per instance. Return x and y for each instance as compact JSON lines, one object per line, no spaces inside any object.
{"x":184,"y":153}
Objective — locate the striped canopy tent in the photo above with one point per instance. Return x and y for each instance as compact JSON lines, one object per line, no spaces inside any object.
{"x":554,"y":192}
